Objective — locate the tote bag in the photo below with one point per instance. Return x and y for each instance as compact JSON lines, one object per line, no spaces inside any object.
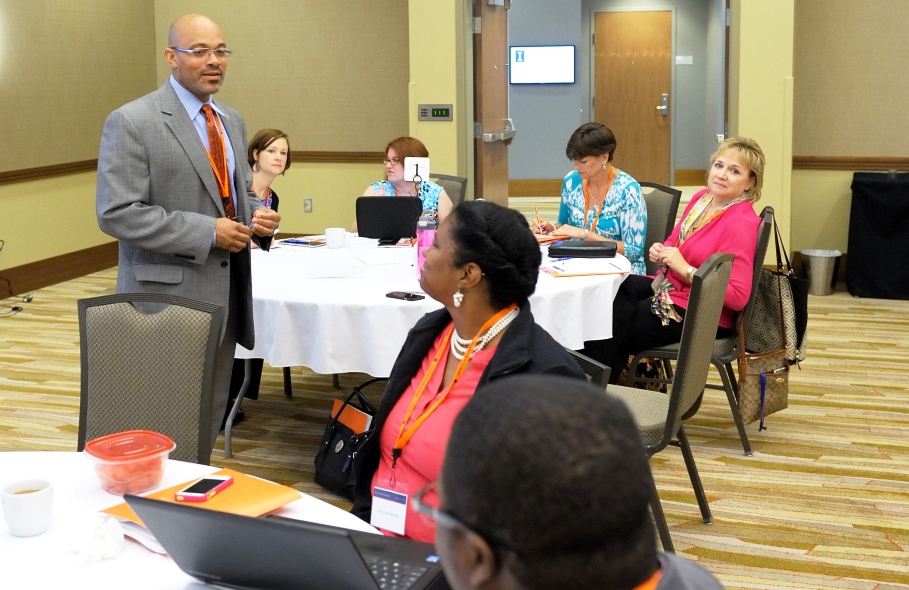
{"x":780,"y":308}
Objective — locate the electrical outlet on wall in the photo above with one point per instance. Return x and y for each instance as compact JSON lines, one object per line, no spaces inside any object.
{"x":720,"y":138}
{"x":307,"y":205}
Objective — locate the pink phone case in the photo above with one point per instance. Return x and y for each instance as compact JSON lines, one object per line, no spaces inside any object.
{"x":181,"y":496}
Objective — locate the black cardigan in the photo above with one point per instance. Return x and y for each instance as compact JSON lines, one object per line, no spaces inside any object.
{"x":525,"y":347}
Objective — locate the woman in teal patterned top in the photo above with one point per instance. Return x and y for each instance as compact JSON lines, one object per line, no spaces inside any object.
{"x":432,"y":195}
{"x":599,"y":201}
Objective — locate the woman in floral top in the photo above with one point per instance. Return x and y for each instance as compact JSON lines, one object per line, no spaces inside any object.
{"x":599,"y":201}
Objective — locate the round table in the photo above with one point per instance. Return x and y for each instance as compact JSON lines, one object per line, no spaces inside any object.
{"x":53,"y":558}
{"x":326,"y":309}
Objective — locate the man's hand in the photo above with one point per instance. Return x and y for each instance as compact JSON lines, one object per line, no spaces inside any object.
{"x":265,"y":221}
{"x":230,"y":235}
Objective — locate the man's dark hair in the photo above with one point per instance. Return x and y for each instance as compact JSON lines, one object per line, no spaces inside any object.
{"x":553,"y":468}
{"x":499,"y":241}
{"x":591,"y":139}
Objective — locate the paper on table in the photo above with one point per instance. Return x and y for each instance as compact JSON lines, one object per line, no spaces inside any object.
{"x":577,"y":267}
{"x":247,"y":496}
{"x":375,"y":258}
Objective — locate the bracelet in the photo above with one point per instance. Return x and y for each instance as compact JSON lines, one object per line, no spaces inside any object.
{"x":691,"y":270}
{"x":586,"y":233}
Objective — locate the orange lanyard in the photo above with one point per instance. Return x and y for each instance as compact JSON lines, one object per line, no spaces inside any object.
{"x":651,"y":582}
{"x":220,"y":169}
{"x":404,"y":436}
{"x":596,"y":218}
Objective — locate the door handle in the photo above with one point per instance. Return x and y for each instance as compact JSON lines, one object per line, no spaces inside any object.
{"x":664,"y":108}
{"x":505,"y":134}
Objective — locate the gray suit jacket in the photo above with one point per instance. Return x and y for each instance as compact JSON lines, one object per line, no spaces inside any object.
{"x":158,"y":196}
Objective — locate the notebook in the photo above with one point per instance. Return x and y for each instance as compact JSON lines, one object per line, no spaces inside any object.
{"x":274,"y":552}
{"x":388,"y":218}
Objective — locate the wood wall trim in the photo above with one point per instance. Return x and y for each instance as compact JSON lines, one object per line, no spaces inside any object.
{"x":47,"y":171}
{"x":338,"y":157}
{"x":690,"y":177}
{"x":50,"y":271}
{"x":850,"y":163}
{"x":89,"y":165}
{"x":538,"y":187}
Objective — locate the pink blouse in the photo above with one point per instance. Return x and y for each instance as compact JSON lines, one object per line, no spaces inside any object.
{"x":421,"y":459}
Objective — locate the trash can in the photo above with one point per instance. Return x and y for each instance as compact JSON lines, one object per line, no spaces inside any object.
{"x":820,"y":266}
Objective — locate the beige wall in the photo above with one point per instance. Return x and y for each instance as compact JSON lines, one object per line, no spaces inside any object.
{"x":760,"y":93}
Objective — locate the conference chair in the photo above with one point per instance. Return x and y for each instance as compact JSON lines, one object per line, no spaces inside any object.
{"x":455,"y":186}
{"x":597,"y":373}
{"x":662,"y":207}
{"x":659,"y":416}
{"x":147,"y":364}
{"x":725,"y":351}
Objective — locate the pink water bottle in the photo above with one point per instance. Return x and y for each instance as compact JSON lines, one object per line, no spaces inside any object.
{"x":426,"y":234}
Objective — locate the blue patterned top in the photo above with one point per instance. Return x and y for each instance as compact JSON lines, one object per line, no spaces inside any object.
{"x":624,"y":216}
{"x":428,"y":192}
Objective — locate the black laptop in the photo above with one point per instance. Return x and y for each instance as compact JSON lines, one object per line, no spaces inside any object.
{"x":275,"y":552}
{"x":388,"y":219}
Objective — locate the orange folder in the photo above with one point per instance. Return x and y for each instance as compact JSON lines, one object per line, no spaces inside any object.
{"x":353,"y":418}
{"x":248,"y":496}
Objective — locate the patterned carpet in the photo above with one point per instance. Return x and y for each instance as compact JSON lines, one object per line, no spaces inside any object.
{"x":823,"y":503}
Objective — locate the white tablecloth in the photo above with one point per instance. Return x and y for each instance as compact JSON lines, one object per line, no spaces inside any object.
{"x":52,"y":559}
{"x":340,"y":325}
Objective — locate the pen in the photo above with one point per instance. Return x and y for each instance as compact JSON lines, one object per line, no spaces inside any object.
{"x":613,"y":265}
{"x":561,"y":259}
{"x":539,"y":221}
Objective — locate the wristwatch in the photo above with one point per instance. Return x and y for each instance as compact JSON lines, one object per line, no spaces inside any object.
{"x":691,"y":270}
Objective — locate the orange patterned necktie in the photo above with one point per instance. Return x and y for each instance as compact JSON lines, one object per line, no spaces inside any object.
{"x":218,"y":160}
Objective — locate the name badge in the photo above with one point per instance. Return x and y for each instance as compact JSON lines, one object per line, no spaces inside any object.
{"x":389,"y":509}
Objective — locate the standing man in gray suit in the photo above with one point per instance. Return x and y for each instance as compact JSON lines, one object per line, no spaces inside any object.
{"x":181,"y":205}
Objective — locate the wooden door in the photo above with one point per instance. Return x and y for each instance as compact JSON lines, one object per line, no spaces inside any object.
{"x":491,"y":102}
{"x":632,"y":72}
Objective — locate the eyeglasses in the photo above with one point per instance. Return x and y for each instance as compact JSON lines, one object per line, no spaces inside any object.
{"x":448,"y":520}
{"x":201,"y":52}
{"x":392,"y":161}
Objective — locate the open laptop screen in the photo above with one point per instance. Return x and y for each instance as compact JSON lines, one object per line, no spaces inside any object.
{"x":388,"y":218}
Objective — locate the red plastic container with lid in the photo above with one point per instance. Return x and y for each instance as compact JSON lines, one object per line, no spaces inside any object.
{"x":130,"y":462}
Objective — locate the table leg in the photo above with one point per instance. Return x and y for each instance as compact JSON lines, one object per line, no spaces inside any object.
{"x":228,"y":425}
{"x":288,"y":385}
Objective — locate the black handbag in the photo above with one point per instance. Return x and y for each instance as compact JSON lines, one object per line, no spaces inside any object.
{"x":780,"y":303}
{"x":340,"y":445}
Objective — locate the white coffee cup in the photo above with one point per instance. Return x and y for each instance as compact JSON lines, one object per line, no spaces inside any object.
{"x":27,"y":506}
{"x":335,"y":237}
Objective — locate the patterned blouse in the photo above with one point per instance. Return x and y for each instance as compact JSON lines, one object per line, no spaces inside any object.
{"x":428,"y":192}
{"x":624,"y":215}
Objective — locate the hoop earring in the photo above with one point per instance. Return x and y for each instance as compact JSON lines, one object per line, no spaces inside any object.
{"x":458,"y":297}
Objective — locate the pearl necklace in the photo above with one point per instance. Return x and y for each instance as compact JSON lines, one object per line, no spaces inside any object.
{"x":460,"y":345}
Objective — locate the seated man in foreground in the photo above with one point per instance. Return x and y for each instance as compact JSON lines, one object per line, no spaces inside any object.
{"x":549,"y":491}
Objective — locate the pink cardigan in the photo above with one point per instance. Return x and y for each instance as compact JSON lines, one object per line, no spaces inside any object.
{"x":733,"y":232}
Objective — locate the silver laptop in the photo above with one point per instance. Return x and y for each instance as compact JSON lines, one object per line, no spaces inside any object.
{"x":274,"y":552}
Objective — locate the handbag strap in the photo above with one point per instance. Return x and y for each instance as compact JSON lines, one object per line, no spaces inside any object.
{"x":358,"y":394}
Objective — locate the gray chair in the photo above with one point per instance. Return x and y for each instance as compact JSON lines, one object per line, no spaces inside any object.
{"x":455,"y":186}
{"x":662,"y":208}
{"x":658,"y":415}
{"x":597,"y":373}
{"x":147,"y":364}
{"x":725,"y":350}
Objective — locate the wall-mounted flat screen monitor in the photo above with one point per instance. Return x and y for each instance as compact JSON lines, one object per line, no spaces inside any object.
{"x":541,"y":64}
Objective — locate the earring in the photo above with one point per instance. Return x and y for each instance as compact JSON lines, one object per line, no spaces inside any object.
{"x":606,"y":163}
{"x":458,"y":297}
{"x":255,"y":166}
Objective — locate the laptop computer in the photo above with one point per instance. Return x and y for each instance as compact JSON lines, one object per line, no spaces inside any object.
{"x":388,"y":218}
{"x":274,"y":552}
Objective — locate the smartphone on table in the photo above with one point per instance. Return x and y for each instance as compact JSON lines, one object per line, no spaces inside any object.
{"x":404,"y":295}
{"x":203,"y":489}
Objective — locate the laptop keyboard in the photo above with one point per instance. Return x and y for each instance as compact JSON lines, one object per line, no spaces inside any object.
{"x":395,"y":575}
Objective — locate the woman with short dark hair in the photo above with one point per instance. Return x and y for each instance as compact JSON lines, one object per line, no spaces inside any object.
{"x":599,"y":201}
{"x":483,"y":267}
